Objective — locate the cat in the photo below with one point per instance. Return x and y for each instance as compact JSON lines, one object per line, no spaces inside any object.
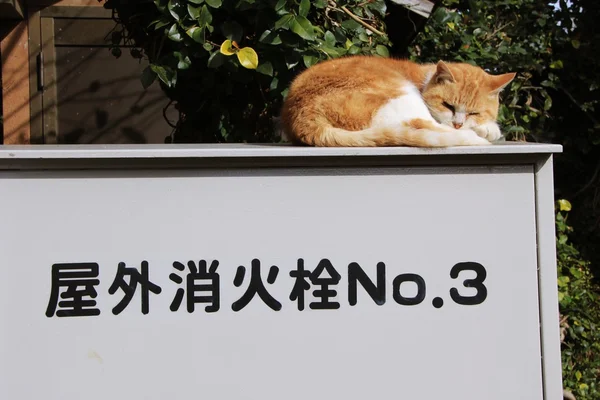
{"x":368,"y":101}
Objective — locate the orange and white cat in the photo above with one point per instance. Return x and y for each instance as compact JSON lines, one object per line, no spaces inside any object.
{"x":373,"y":101}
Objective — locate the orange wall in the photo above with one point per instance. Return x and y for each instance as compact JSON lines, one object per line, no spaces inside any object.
{"x":15,"y":85}
{"x":15,"y":73}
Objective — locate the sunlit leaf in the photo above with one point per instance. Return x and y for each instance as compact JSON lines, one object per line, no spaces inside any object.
{"x":227,"y":48}
{"x":248,"y":58}
{"x":564,"y":205}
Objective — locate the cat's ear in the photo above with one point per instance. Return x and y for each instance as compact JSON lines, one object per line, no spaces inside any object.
{"x":442,"y":74}
{"x":499,"y":82}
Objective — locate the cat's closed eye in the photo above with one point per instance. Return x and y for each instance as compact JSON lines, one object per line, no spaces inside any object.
{"x":449,"y":106}
{"x":473,"y":113}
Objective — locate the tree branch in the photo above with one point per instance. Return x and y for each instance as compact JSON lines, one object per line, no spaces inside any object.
{"x":360,"y":21}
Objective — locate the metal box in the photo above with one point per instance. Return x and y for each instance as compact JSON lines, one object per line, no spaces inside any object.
{"x":264,"y":272}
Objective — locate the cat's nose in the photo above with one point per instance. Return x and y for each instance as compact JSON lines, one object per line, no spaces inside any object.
{"x":457,"y":125}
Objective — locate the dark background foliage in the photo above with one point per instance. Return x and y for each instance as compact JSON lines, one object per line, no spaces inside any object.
{"x":220,"y":100}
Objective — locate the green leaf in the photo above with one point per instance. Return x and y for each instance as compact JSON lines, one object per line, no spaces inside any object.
{"x":216,"y":60}
{"x":330,"y":38}
{"x":196,"y":1}
{"x":340,"y":36}
{"x":280,"y":5}
{"x":165,"y":74}
{"x":175,"y":7}
{"x":174,"y":34}
{"x":304,"y":8}
{"x":196,"y":33}
{"x":351,"y":24}
{"x":265,"y":68}
{"x":382,"y":51}
{"x":333,"y":51}
{"x":309,"y":61}
{"x":353,"y":50}
{"x":558,"y":64}
{"x":284,"y":22}
{"x":193,"y":11}
{"x":320,"y":3}
{"x":148,"y":77}
{"x":161,"y":23}
{"x":274,"y":84}
{"x":184,"y":62}
{"x":269,"y":37}
{"x":214,"y":3}
{"x":205,"y":17}
{"x":575,"y":43}
{"x":303,"y":28}
{"x":378,"y":6}
{"x":161,"y":7}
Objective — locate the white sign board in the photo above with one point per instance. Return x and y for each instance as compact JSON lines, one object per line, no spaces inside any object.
{"x":279,"y":283}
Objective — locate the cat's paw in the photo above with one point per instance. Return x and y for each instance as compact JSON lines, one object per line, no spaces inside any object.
{"x":468,"y":137}
{"x":489,"y":131}
{"x":474,"y":139}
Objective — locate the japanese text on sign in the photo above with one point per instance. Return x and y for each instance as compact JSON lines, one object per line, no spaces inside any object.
{"x":74,"y":287}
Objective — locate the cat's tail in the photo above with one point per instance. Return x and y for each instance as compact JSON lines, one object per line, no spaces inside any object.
{"x":416,"y":133}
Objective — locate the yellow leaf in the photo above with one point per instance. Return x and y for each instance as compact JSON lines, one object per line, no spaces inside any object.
{"x":248,"y":57}
{"x":227,"y":49}
{"x":450,"y":25}
{"x":564,"y":205}
{"x":348,"y":44}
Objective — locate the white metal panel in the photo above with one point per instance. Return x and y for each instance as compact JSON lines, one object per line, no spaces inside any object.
{"x":549,"y":306}
{"x":415,"y":220}
{"x":245,"y":150}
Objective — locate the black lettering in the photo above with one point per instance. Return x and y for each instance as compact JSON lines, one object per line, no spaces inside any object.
{"x":300,"y":284}
{"x":325,"y":293}
{"x":202,"y":286}
{"x":356,"y":274}
{"x":409,"y":301}
{"x":256,"y":286}
{"x":476,"y":283}
{"x":79,"y":281}
{"x":129,"y":288}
